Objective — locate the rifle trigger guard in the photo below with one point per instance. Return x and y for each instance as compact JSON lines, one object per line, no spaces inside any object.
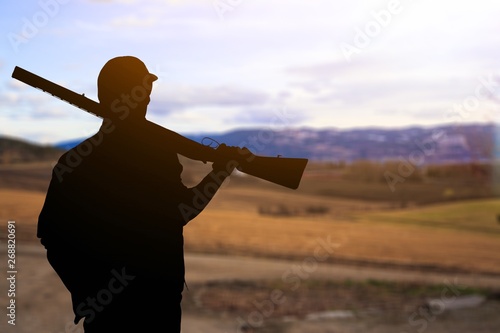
{"x":212,"y":143}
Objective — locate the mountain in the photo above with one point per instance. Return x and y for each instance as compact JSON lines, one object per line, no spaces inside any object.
{"x":18,"y":151}
{"x":441,"y":144}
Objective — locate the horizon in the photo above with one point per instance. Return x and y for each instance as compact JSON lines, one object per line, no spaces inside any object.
{"x":384,"y":63}
{"x":296,"y":128}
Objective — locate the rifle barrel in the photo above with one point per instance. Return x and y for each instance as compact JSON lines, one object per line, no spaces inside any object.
{"x":80,"y":101}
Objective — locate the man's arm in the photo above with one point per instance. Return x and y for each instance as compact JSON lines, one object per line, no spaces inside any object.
{"x":203,"y":193}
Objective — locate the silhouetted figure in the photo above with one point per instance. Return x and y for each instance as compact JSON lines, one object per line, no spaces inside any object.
{"x":112,"y":223}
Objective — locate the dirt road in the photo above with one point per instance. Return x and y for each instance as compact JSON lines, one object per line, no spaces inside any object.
{"x":43,"y":304}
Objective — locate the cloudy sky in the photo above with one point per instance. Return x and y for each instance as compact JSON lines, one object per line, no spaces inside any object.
{"x":225,"y":64}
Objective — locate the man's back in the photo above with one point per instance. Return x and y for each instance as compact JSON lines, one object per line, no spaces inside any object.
{"x":117,"y":209}
{"x":120,"y":196}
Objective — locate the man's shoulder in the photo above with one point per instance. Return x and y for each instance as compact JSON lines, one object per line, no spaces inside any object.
{"x":87,"y":147}
{"x":86,"y":153}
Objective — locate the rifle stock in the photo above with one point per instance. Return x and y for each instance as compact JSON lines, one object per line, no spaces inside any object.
{"x":279,"y":170}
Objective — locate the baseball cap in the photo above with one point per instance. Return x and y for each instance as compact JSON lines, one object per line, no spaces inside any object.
{"x":120,"y":75}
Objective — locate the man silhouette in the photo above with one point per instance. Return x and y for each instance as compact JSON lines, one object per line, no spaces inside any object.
{"x":112,"y":221}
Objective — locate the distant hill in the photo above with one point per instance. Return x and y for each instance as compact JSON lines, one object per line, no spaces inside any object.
{"x":442,"y":144}
{"x":435,"y":145}
{"x":18,"y":151}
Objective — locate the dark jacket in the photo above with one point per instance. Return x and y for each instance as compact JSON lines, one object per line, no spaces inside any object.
{"x":113,"y":201}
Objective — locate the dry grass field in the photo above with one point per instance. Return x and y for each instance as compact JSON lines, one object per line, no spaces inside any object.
{"x":261,"y":219}
{"x":251,"y":220}
{"x":388,"y":237}
{"x":232,"y":225}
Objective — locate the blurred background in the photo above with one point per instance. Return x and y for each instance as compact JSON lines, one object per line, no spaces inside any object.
{"x":395,"y":226}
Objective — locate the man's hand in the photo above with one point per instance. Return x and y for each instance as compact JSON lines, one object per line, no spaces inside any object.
{"x":227,"y":159}
{"x":230,"y":157}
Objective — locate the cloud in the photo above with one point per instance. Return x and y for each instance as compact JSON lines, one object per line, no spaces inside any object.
{"x":133,"y":21}
{"x":381,"y":82}
{"x":183,"y":97}
{"x":91,"y":26}
{"x":150,"y":2}
{"x":20,"y":103}
{"x":327,"y":69}
{"x":113,"y":1}
{"x":10,"y":93}
{"x":9,"y":99}
{"x":270,"y":116}
{"x":49,"y":112}
{"x":15,"y":86}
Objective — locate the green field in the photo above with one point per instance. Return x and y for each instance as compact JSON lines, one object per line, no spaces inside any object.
{"x":475,"y":216}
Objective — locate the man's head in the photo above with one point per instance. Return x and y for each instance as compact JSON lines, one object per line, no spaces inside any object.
{"x":123,"y":87}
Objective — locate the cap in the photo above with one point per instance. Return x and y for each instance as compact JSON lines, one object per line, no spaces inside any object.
{"x":120,"y":75}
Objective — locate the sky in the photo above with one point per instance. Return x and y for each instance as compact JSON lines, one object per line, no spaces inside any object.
{"x":227,"y":64}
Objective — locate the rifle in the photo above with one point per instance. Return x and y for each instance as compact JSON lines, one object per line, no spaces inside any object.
{"x":286,"y":172}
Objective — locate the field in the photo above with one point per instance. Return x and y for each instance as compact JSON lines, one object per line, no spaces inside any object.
{"x":372,"y":258}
